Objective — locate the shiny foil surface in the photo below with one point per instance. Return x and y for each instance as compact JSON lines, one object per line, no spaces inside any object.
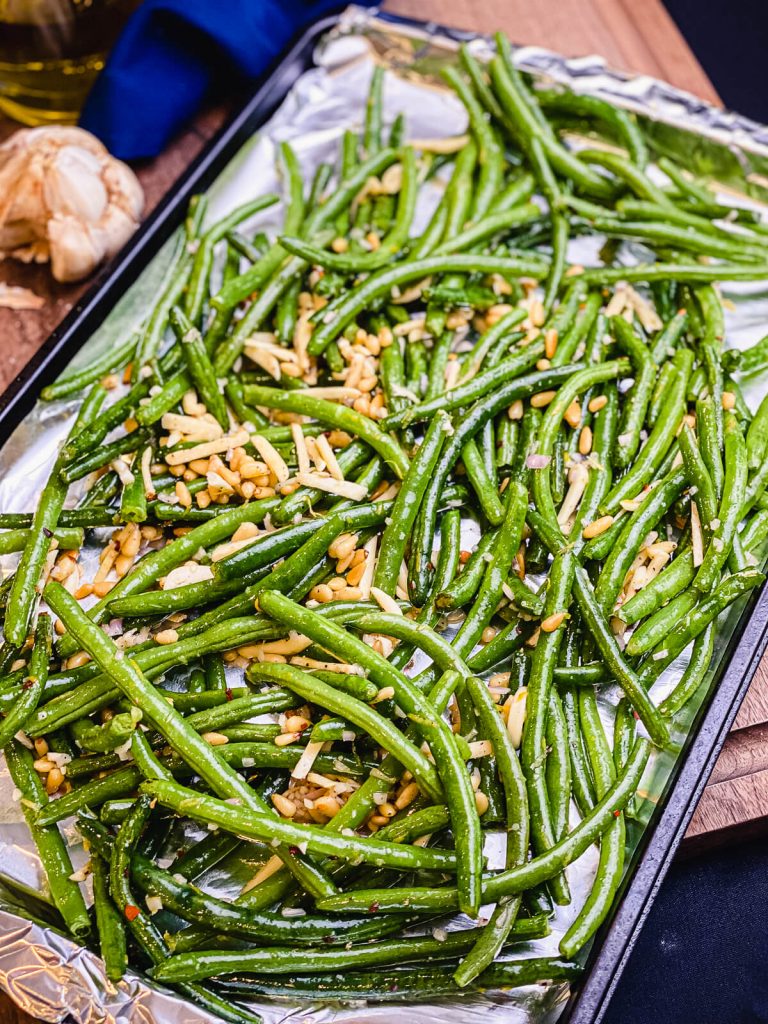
{"x":46,"y":973}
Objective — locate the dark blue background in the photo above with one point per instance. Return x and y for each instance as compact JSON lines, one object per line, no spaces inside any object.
{"x":702,"y":957}
{"x":730,"y":40}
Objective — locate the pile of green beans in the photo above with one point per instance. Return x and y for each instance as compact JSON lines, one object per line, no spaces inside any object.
{"x":288,"y":640}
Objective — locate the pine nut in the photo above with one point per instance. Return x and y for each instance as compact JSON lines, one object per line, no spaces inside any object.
{"x":597,"y":526}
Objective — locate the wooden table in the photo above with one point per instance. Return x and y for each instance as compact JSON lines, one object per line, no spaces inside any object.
{"x":633,"y":36}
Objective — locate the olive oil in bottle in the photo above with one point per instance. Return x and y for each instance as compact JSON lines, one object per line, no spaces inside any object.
{"x":51,"y":52}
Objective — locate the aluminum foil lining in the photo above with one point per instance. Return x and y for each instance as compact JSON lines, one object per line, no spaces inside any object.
{"x":46,"y":973}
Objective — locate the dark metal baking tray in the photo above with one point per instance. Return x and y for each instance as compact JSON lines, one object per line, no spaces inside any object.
{"x":591,"y":994}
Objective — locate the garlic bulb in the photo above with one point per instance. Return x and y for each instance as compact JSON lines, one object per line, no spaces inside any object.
{"x":63,"y":198}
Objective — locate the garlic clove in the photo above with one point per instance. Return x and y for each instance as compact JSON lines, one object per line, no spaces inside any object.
{"x":114,"y":229}
{"x":123,"y":187}
{"x":73,"y":185}
{"x":75,"y":248}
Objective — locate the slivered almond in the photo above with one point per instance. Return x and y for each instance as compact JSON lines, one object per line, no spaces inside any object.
{"x":302,"y":455}
{"x":344,"y":488}
{"x":201,"y":451}
{"x":328,"y":455}
{"x":271,"y":456}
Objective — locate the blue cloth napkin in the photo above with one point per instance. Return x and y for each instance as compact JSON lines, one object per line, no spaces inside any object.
{"x":173,"y":52}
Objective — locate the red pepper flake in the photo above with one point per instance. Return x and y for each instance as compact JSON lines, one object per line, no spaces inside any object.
{"x":131,"y":912}
{"x":228,"y":693}
{"x":28,"y":683}
{"x":293,"y":850}
{"x":636,"y":716}
{"x":373,"y":908}
{"x":465,"y":556}
{"x":616,"y":814}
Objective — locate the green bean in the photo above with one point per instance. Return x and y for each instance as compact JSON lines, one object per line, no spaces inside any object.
{"x":245,"y":922}
{"x":611,"y":864}
{"x":51,"y":847}
{"x":402,"y":984}
{"x":199,"y":365}
{"x":734,"y":484}
{"x":72,"y":381}
{"x":463,"y":394}
{"x":261,"y":826}
{"x":109,"y":923}
{"x":633,"y":415}
{"x":619,"y":121}
{"x":516,"y":800}
{"x":386,"y":734}
{"x":656,"y":626}
{"x":197,"y":286}
{"x":695,"y":622}
{"x":33,"y":683}
{"x":625,"y":676}
{"x":406,"y":506}
{"x":382,"y":281}
{"x":659,"y":440}
{"x":23,"y":596}
{"x":666,"y":340}
{"x":125,"y":674}
{"x":695,"y":672}
{"x":558,"y":768}
{"x":630,"y":540}
{"x":520,"y":107}
{"x":388,"y":247}
{"x":338,"y":416}
{"x":698,"y":272}
{"x":577,"y":384}
{"x":159,"y":563}
{"x":516,"y":879}
{"x":484,"y":487}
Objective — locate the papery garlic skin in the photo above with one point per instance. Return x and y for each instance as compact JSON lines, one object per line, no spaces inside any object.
{"x":63,"y":198}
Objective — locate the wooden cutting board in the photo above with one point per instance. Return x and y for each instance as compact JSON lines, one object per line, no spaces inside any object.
{"x":631,"y":36}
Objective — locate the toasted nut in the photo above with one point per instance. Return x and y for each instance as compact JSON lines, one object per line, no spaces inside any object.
{"x":356,"y":573}
{"x":54,"y":780}
{"x":481,"y":800}
{"x":167,"y":636}
{"x":515,"y":411}
{"x":339,"y":245}
{"x":553,"y":622}
{"x":285,"y":738}
{"x":41,"y":746}
{"x":542,"y":399}
{"x":488,"y":634}
{"x":550,"y":342}
{"x":585,"y":441}
{"x":296,"y":723}
{"x":216,"y":739}
{"x":573,"y":415}
{"x":598,"y":403}
{"x":406,"y":796}
{"x":327,"y":805}
{"x":597,"y":526}
{"x":729,"y":400}
{"x":285,"y":807}
{"x":78,"y":660}
{"x":322,"y":593}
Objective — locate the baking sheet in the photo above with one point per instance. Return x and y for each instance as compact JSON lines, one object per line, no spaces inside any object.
{"x":45,"y":972}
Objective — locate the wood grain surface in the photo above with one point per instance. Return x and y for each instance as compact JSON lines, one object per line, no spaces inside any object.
{"x":631,"y":35}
